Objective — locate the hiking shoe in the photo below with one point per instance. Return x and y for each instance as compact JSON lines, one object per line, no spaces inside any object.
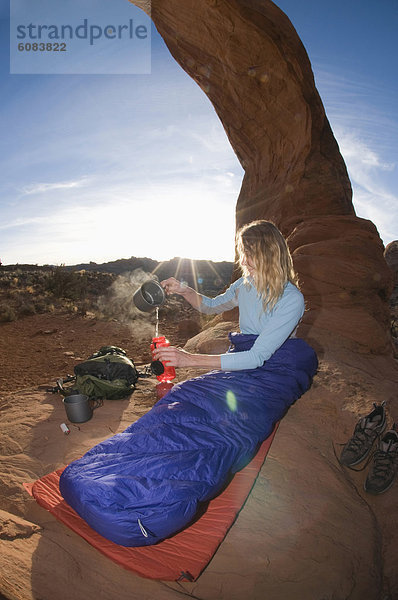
{"x":366,"y":431}
{"x":385,"y":464}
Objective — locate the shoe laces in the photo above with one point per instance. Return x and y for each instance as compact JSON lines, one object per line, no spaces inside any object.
{"x":383,"y":463}
{"x":361,"y":435}
{"x":365,"y":430}
{"x":386,"y":454}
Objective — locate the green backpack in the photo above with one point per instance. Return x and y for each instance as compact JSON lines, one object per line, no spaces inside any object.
{"x":108,"y":374}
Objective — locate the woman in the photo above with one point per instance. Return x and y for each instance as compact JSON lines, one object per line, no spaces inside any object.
{"x":146,"y":483}
{"x":270,"y":303}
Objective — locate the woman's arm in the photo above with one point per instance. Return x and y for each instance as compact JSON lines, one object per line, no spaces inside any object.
{"x":177,"y":357}
{"x":172,"y":286}
{"x":204,"y":304}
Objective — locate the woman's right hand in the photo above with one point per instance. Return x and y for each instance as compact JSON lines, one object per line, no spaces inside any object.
{"x":173,"y":286}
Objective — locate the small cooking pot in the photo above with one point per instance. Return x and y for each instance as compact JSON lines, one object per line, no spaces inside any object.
{"x":149,"y":296}
{"x":78,"y":408}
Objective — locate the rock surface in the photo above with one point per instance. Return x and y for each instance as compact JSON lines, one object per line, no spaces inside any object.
{"x":213,"y":340}
{"x":346,"y":284}
{"x":13,"y":527}
{"x":391,"y":256}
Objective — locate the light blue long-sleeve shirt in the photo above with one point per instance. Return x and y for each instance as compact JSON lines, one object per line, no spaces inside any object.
{"x":272,"y":327}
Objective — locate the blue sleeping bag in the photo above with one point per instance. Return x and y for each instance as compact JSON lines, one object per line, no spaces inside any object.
{"x":145,"y":484}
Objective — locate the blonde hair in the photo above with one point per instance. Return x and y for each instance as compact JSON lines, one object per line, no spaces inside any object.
{"x":262,"y":242}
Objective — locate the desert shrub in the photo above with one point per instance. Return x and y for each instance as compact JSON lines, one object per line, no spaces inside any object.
{"x":24,"y":293}
{"x":394,"y":327}
{"x":71,"y":285}
{"x":71,"y":307}
{"x":5,"y":283}
{"x":26,"y":309}
{"x":41,"y":305}
{"x":98,"y":283}
{"x":31,"y":279}
{"x":85,"y":306}
{"x":7,"y":314}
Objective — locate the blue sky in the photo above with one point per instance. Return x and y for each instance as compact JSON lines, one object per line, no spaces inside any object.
{"x":100,"y":167}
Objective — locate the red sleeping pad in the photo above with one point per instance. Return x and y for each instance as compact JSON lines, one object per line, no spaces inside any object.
{"x":179,"y":558}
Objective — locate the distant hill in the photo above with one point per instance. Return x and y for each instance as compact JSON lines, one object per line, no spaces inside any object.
{"x":207,"y":276}
{"x":26,"y":289}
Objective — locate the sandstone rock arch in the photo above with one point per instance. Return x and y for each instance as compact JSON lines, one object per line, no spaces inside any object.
{"x":248,"y":59}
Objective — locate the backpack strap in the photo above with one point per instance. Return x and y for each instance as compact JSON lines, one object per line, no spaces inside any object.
{"x":60,"y":385}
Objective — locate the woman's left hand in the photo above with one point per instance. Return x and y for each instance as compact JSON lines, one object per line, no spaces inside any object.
{"x":174,"y":357}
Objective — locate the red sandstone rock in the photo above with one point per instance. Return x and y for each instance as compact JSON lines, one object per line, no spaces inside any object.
{"x":391,"y":256}
{"x":187,"y":328}
{"x":345,"y":283}
{"x":213,"y":340}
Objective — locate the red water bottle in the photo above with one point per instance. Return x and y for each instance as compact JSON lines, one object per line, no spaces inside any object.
{"x":163,"y":372}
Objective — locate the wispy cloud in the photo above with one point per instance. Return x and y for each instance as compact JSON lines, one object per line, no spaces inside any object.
{"x":364,"y":163}
{"x":40,"y":188}
{"x":21,"y":222}
{"x":372,"y":198}
{"x":365,"y":123}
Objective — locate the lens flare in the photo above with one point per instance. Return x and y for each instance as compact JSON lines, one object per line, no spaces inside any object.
{"x":232,"y":402}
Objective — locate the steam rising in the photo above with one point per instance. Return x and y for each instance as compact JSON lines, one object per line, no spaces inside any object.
{"x":118,"y":303}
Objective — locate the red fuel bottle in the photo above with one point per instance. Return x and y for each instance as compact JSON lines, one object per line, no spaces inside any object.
{"x":163,"y":372}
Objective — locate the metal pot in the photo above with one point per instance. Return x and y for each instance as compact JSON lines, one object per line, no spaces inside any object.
{"x":78,"y":408}
{"x":149,"y":296}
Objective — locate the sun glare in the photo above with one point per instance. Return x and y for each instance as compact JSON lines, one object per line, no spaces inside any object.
{"x":191,"y":223}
